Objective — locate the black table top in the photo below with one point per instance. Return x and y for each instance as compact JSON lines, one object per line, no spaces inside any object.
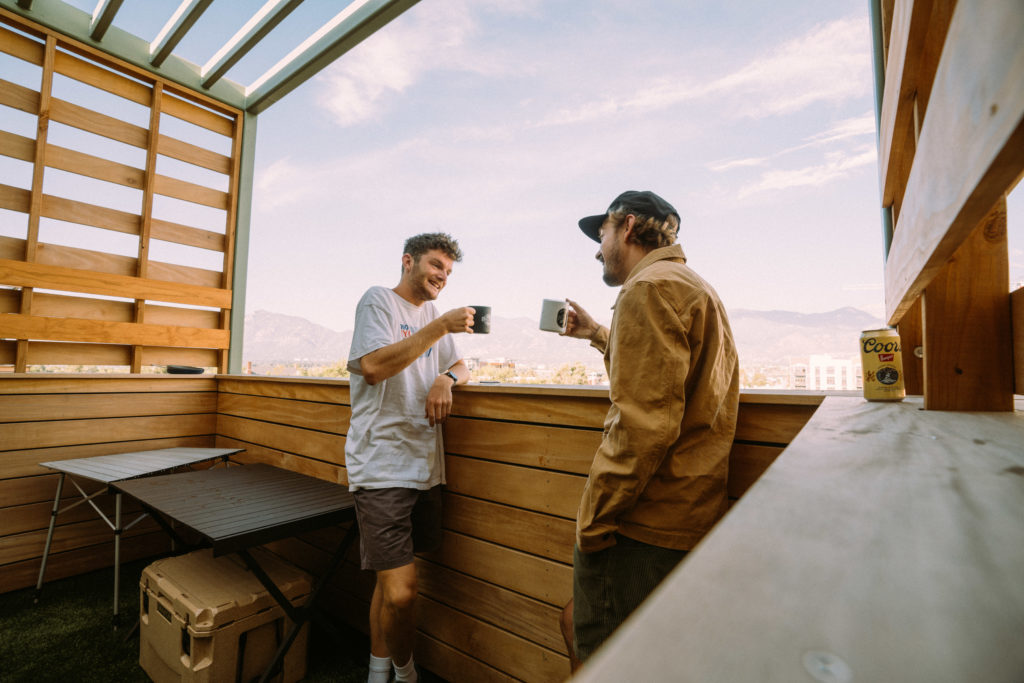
{"x":121,"y":466}
{"x":242,"y":506}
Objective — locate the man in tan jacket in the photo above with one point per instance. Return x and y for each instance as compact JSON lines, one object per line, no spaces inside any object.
{"x":658,"y":481}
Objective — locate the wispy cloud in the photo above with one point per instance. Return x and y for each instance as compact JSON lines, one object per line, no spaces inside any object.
{"x":824,"y":65}
{"x":353,"y":94}
{"x":847,"y":128}
{"x":653,"y":97}
{"x":728,"y":164}
{"x":837,"y":165}
{"x":839,"y":131}
{"x":355,"y":88}
{"x":276,"y":184}
{"x":843,"y":153}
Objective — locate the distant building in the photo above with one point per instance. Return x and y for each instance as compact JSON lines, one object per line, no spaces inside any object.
{"x":798,"y":376}
{"x":825,"y":373}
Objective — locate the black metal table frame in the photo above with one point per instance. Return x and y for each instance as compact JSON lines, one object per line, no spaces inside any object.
{"x":299,"y":615}
{"x":116,"y":526}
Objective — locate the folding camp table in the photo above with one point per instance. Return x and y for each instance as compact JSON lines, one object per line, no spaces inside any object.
{"x":237,"y":508}
{"x":109,"y":469}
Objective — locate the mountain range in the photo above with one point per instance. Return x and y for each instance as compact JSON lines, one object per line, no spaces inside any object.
{"x":762,"y":338}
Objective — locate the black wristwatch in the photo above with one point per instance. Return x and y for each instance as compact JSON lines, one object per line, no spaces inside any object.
{"x":449,"y":373}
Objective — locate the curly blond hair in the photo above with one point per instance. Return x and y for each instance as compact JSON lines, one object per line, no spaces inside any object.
{"x":418,"y":245}
{"x":649,"y":232}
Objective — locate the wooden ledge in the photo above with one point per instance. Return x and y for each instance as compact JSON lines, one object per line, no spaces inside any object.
{"x":884,"y":544}
{"x":760,"y":396}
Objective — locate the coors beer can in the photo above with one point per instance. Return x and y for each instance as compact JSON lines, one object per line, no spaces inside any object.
{"x":882,"y":365}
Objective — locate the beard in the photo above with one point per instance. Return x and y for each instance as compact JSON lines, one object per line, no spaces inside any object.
{"x":612,"y":264}
{"x":419,"y":280}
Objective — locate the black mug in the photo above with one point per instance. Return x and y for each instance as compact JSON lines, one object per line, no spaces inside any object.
{"x":481,"y":319}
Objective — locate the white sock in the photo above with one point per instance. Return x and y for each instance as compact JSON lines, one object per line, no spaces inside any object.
{"x":380,"y":670}
{"x":406,"y":672}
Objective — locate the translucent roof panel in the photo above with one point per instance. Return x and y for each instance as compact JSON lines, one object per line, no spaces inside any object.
{"x":245,"y":53}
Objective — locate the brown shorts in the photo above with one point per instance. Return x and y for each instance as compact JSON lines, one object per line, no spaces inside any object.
{"x":395,"y":523}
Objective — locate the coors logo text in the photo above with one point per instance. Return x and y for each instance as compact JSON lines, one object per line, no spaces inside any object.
{"x":873,"y":345}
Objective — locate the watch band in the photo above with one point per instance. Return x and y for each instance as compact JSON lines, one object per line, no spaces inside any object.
{"x":451,"y":374}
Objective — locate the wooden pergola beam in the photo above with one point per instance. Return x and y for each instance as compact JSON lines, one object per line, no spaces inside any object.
{"x":102,"y":17}
{"x":183,"y":19}
{"x":347,"y":29}
{"x":262,"y":23}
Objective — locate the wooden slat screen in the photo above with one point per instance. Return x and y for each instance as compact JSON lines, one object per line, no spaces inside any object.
{"x":951,"y":147}
{"x":66,"y":302}
{"x":48,"y":417}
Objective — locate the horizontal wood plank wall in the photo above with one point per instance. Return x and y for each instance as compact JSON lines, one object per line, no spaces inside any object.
{"x":56,"y":417}
{"x":516,"y":462}
{"x":128,"y":325}
{"x":517,"y":458}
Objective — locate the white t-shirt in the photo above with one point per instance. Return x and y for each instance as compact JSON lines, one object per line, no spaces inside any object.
{"x":390,"y":443}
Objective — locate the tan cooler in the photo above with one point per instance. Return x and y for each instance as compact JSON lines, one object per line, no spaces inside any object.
{"x":206,"y":619}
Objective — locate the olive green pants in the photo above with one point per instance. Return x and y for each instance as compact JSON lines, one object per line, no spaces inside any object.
{"x":609,"y":584}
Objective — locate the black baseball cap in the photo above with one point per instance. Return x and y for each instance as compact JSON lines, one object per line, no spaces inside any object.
{"x":642,"y":203}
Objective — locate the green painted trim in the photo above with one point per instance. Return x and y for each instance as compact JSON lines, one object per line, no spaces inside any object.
{"x":878,"y":58}
{"x":76,"y":24}
{"x":246,"y":173}
{"x":346,"y":30}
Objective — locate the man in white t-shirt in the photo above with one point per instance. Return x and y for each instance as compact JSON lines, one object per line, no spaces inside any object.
{"x":404,"y":364}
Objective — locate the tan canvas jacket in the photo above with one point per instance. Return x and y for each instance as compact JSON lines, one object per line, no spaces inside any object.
{"x":659,"y":476}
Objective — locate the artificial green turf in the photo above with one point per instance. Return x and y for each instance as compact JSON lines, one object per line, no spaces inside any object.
{"x":69,"y":636}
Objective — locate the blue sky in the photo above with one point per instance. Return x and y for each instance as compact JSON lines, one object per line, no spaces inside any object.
{"x":504,"y":121}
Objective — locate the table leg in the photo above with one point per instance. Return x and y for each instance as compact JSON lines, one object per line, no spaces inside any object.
{"x":49,"y":534}
{"x":300,"y":615}
{"x":117,"y":554}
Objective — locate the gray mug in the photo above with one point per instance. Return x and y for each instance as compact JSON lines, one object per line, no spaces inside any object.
{"x":554,"y":315}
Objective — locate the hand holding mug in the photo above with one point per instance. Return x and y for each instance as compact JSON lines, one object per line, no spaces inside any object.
{"x":458,"y":320}
{"x":578,"y":322}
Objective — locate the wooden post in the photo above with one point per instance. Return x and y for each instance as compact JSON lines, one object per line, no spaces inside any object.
{"x":1017,"y":311}
{"x":36,"y":200}
{"x":231,"y":230}
{"x":968,"y":351}
{"x":146,"y":219}
{"x":243,"y":174}
{"x":910,"y":339}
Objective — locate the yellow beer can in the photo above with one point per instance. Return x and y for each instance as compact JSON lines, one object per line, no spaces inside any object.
{"x":882,"y":365}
